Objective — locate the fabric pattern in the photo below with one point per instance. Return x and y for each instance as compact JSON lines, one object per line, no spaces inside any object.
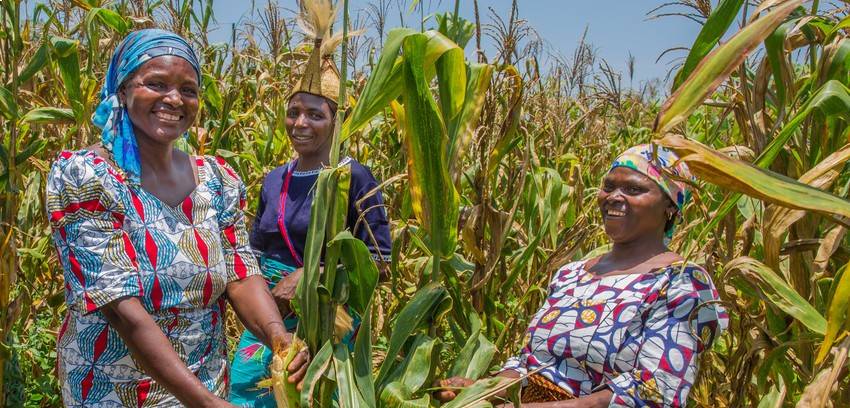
{"x":114,"y":240}
{"x":111,"y":116}
{"x":639,"y":335}
{"x":659,"y":168}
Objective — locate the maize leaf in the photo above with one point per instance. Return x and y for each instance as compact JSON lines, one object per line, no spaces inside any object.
{"x":716,"y":67}
{"x":742,"y":177}
{"x":712,"y":31}
{"x":779,"y":293}
{"x":435,"y":201}
{"x":838,"y":314}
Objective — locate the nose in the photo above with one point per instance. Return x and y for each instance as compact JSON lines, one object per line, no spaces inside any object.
{"x":301,"y":120}
{"x":173,"y":98}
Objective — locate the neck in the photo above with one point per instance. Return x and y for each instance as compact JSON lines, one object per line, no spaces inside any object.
{"x":155,"y":157}
{"x":314,"y":161}
{"x":639,"y":249}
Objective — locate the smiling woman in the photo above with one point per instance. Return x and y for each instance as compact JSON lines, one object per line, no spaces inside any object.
{"x":153,"y":244}
{"x":626,"y":328}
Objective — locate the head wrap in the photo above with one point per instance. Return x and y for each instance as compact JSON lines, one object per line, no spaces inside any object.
{"x":111,"y":116}
{"x":659,"y":167}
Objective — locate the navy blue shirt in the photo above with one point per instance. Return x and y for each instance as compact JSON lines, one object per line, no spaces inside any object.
{"x":266,"y":236}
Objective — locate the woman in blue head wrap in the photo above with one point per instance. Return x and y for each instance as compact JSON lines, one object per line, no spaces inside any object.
{"x":153,"y":243}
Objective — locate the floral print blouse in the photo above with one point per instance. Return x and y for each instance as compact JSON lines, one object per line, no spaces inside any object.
{"x":114,"y":240}
{"x":639,"y":335}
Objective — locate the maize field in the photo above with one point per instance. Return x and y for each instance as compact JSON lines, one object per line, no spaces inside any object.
{"x":489,"y":164}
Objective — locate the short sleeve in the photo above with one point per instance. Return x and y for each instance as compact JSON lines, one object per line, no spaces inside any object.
{"x":86,"y":218}
{"x":241,"y":262}
{"x":682,"y":322}
{"x":367,"y":215}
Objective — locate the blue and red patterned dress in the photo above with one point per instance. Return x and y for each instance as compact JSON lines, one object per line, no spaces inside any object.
{"x":639,"y":334}
{"x":114,"y":240}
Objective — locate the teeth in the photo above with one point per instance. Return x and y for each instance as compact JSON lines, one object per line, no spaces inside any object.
{"x":166,"y":116}
{"x":616,"y":213}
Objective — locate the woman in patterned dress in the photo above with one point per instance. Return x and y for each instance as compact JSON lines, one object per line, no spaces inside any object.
{"x":153,"y":245}
{"x":624,"y":329}
{"x":280,"y":227}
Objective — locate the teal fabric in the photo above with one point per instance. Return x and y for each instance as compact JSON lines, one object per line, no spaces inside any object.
{"x":251,"y":362}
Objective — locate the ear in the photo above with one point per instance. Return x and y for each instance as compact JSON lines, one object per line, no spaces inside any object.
{"x":122,"y":94}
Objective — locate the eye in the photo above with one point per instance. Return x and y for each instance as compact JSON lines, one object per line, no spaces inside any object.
{"x":607,"y":187}
{"x":316,"y":116}
{"x":291,"y":114}
{"x":155,"y":85}
{"x":634,"y":190}
{"x":189,"y":92}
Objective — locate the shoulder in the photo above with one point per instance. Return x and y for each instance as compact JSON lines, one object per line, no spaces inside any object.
{"x":81,"y":168}
{"x":690,"y":276}
{"x":568,"y":272}
{"x":224,"y":170}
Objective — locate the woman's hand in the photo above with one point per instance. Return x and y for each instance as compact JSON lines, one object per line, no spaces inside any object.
{"x":450,"y":388}
{"x":298,"y":367}
{"x":284,"y":291}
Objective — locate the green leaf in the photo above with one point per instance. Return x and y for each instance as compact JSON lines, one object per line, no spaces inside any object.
{"x":716,"y":67}
{"x":8,"y":106}
{"x":65,"y":52}
{"x":110,"y":19}
{"x":363,"y":358}
{"x":361,"y":269}
{"x":435,"y":201}
{"x":417,"y":369}
{"x":36,"y":63}
{"x":348,"y":395}
{"x":777,"y":291}
{"x":397,"y":395}
{"x":317,"y":368}
{"x":419,"y":311}
{"x":462,"y":127}
{"x":712,"y":31}
{"x":474,"y":358}
{"x":50,"y":115}
{"x":838,"y":314}
{"x":480,"y":391}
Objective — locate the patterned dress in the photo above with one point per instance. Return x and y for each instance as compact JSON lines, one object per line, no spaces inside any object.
{"x":114,"y":240}
{"x":639,"y":335}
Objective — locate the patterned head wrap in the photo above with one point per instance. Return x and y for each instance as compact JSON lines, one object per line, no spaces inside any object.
{"x":111,"y":116}
{"x":659,"y":168}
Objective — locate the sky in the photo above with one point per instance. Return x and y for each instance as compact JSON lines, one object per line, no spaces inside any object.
{"x":615,"y":28}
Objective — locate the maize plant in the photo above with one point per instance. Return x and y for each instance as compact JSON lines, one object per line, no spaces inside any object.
{"x":490,"y":169}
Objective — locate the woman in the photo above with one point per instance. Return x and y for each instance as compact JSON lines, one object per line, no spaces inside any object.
{"x":152,"y":242}
{"x":626,"y":328}
{"x":280,"y":231}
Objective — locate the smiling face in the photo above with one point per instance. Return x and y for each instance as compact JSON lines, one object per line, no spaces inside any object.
{"x":161,"y":98}
{"x":309,"y":124}
{"x":633,"y":206}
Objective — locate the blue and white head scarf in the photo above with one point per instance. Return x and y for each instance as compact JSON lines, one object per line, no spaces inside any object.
{"x":111,"y":116}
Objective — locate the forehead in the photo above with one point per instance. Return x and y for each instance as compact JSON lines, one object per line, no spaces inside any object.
{"x":309,"y":101}
{"x":627,"y":175}
{"x":171,"y":66}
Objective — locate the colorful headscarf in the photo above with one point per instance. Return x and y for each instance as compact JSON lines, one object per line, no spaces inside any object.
{"x":659,"y":167}
{"x":111,"y":116}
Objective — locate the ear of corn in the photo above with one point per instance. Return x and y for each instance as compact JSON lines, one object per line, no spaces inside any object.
{"x":286,"y":394}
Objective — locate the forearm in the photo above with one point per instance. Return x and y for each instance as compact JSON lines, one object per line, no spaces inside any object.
{"x":154,"y":352}
{"x":256,"y":308}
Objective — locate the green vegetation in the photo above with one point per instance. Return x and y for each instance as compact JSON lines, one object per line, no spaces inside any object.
{"x":490,"y":171}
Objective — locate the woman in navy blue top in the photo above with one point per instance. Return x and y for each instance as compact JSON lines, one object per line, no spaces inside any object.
{"x":280,"y":228}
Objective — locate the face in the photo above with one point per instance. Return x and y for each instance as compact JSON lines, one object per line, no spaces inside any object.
{"x":633,"y":206}
{"x":162,"y":98}
{"x":309,"y":124}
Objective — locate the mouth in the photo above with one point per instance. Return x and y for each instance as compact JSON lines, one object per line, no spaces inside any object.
{"x":301,"y":138}
{"x":611,"y":213}
{"x":168,"y":117}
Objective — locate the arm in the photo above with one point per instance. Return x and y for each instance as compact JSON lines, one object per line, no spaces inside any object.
{"x":154,"y":353}
{"x":367,"y":217}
